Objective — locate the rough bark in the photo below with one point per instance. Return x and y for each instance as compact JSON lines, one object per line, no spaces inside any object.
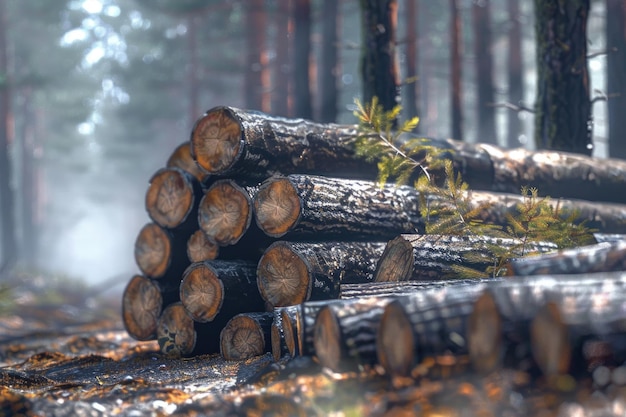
{"x":563,"y":107}
{"x":293,"y":272}
{"x":220,"y":289}
{"x":160,"y":253}
{"x":398,"y":288}
{"x":514,"y":74}
{"x":181,"y":158}
{"x":314,"y":208}
{"x":246,"y":335}
{"x":481,"y":15}
{"x":456,"y":100}
{"x":616,"y":76}
{"x":303,"y":102}
{"x":330,"y":69}
{"x":437,"y":257}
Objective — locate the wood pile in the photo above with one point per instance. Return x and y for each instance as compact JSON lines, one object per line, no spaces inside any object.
{"x":271,"y":235}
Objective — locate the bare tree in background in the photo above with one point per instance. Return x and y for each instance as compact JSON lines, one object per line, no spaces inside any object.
{"x":412,"y":86}
{"x":329,"y":68}
{"x":282,"y":80}
{"x":515,"y":73}
{"x":456,"y":100}
{"x":563,"y":107}
{"x":256,"y":85}
{"x":303,"y":106}
{"x":616,"y":76}
{"x":481,"y":15}
{"x":379,"y":69}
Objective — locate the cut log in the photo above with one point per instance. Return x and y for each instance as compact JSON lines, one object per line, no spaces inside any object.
{"x":601,"y":257}
{"x":285,"y":340}
{"x":278,"y":341}
{"x":423,"y":324}
{"x":397,"y":288}
{"x":181,"y":158}
{"x":200,"y":248}
{"x":142,"y":303}
{"x":313,"y":207}
{"x":172,"y":199}
{"x":179,"y":336}
{"x":235,"y":142}
{"x":609,"y":237}
{"x":219,"y":287}
{"x":160,"y":254}
{"x":437,"y":257}
{"x":345,"y":332}
{"x":293,"y":272}
{"x":246,"y":335}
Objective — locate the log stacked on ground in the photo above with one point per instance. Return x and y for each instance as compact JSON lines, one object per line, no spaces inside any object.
{"x":159,"y":253}
{"x":181,"y":158}
{"x":246,"y":335}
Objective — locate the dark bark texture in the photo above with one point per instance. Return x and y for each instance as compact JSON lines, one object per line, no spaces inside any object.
{"x":303,"y":102}
{"x":330,"y":69}
{"x":515,"y":73}
{"x":481,"y":14}
{"x":456,"y":99}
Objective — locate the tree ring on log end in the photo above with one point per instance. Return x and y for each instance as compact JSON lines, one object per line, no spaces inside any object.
{"x":153,"y":250}
{"x":327,"y":339}
{"x":277,"y":207}
{"x":216,"y":140}
{"x":395,"y":344}
{"x":484,"y":334}
{"x":290,"y":334}
{"x":396,"y":262}
{"x":175,"y":331}
{"x":283,"y":276}
{"x":181,"y":158}
{"x":142,"y":303}
{"x":550,"y":341}
{"x":225,"y":212}
{"x":201,"y":292}
{"x":241,"y":338}
{"x":200,"y":248}
{"x":169,"y":198}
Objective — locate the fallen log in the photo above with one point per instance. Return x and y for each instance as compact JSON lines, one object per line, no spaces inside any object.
{"x":424,"y":324}
{"x":200,"y":248}
{"x":437,"y":257}
{"x":218,"y":287}
{"x":179,"y":335}
{"x":397,"y":288}
{"x":172,"y":199}
{"x":601,"y":257}
{"x":290,"y":273}
{"x":161,"y":254}
{"x":142,"y":303}
{"x":181,"y":158}
{"x":609,"y":237}
{"x":313,"y":207}
{"x":246,"y":335}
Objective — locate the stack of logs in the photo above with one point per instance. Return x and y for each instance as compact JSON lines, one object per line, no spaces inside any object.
{"x":271,"y":235}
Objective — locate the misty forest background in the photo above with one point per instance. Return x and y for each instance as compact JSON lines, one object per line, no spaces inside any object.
{"x":95,"y":94}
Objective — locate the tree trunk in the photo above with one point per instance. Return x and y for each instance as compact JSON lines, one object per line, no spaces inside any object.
{"x":330,"y":70}
{"x":282,"y":82}
{"x":256,"y":85}
{"x":293,"y":272}
{"x":514,"y":74}
{"x":323,"y":208}
{"x":303,"y":102}
{"x":192,"y":71}
{"x":29,"y":192}
{"x":379,"y":69}
{"x":616,"y":76}
{"x":481,"y":13}
{"x":7,"y":199}
{"x":400,"y":288}
{"x":456,"y":100}
{"x":413,"y":81}
{"x":563,"y":108}
{"x":160,"y":253}
{"x":246,"y":335}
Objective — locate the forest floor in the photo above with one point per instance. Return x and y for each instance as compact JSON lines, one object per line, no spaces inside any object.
{"x":64,"y":351}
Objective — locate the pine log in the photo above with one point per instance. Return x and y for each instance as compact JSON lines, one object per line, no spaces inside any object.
{"x":181,"y":158}
{"x":220,"y":287}
{"x":246,"y":335}
{"x":200,"y":248}
{"x":313,"y":207}
{"x":601,"y":257}
{"x":284,"y":332}
{"x":172,"y":199}
{"x":179,"y":336}
{"x":397,"y":288}
{"x":277,"y":334}
{"x":345,"y":332}
{"x":293,"y":272}
{"x":437,"y":257}
{"x":235,"y":142}
{"x":142,"y":303}
{"x":423,"y":324}
{"x":161,"y":254}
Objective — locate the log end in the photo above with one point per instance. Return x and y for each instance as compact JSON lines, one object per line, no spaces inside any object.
{"x":277,"y":207}
{"x":242,"y":338}
{"x":277,"y":341}
{"x":396,"y":262}
{"x":327,"y":339}
{"x":200,"y":248}
{"x":225,"y":212}
{"x":283,"y":277}
{"x":484,"y":334}
{"x":153,"y":250}
{"x":395,"y":344}
{"x":141,"y":307}
{"x":290,"y":333}
{"x":175,"y":331}
{"x":550,"y":341}
{"x":181,"y":158}
{"x":169,"y":198}
{"x":201,"y":292}
{"x":216,"y":140}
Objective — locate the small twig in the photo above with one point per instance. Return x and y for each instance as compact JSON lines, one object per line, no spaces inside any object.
{"x":601,"y":53}
{"x":511,"y":106}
